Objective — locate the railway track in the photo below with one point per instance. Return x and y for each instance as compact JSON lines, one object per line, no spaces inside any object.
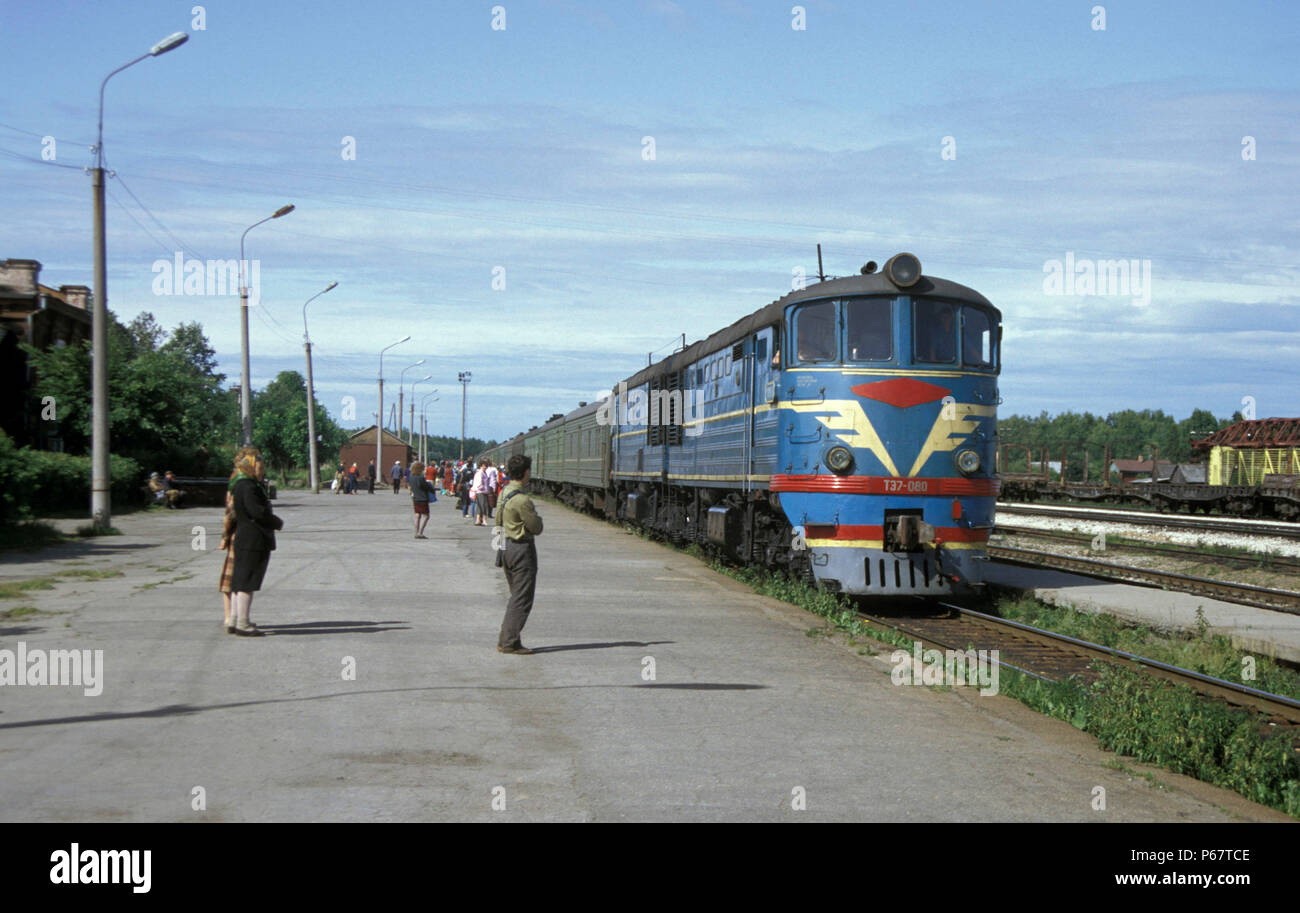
{"x":1262,"y":561}
{"x":1240,"y":593}
{"x":1145,"y":518}
{"x":1056,"y":657}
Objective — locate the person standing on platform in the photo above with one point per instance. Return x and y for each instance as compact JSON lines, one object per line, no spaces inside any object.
{"x":420,"y":491}
{"x":431,"y":476}
{"x":255,"y":527}
{"x":479,"y":492}
{"x":395,"y":475}
{"x":370,"y":475}
{"x":228,"y":565}
{"x":519,"y":523}
{"x":463,"y":489}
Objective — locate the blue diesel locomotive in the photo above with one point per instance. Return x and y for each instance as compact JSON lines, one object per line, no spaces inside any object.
{"x":846,"y":432}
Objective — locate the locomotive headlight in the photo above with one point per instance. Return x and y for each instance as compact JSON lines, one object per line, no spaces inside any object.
{"x":968,"y":461}
{"x":839,"y":460}
{"x":903,"y":270}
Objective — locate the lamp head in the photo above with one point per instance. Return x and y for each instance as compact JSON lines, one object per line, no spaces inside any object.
{"x":171,"y":42}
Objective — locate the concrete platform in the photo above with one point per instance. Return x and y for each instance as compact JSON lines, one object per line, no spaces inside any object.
{"x":1261,"y":631}
{"x":745,"y":714}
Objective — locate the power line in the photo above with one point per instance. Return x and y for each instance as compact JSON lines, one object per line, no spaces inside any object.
{"x":179,"y":243}
{"x":28,"y":158}
{"x":57,"y":139}
{"x":112,"y":196}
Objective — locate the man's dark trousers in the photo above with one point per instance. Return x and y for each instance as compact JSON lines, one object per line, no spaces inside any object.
{"x":521,"y":574}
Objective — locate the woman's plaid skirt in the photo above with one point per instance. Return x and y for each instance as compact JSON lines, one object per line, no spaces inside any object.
{"x":228,"y":572}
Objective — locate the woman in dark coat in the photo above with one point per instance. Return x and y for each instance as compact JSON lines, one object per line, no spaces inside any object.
{"x":255,"y":527}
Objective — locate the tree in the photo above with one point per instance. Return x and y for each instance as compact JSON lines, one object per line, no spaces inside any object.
{"x":280,"y":424}
{"x":165,"y":396}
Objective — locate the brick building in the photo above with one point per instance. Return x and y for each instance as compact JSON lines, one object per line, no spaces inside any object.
{"x":360,"y":449}
{"x":43,"y":317}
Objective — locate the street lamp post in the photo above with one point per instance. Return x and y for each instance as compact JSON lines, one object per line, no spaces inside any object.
{"x":379,"y":416}
{"x":401,"y":389}
{"x":464,"y":378}
{"x":424,"y":443}
{"x":410,"y":432}
{"x":101,"y":512}
{"x":245,"y":390}
{"x":311,"y":396}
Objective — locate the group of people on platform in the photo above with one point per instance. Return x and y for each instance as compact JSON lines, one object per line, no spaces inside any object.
{"x":249,"y":527}
{"x":163,"y":490}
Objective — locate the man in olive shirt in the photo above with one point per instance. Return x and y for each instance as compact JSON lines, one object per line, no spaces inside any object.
{"x":517,"y":519}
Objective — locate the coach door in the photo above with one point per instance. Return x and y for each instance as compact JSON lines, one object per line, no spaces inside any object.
{"x":762,"y":399}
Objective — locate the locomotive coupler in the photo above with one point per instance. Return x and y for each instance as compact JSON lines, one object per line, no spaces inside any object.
{"x":907,"y":533}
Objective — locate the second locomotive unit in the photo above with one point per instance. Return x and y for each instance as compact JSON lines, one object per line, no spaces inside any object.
{"x":846,"y":431}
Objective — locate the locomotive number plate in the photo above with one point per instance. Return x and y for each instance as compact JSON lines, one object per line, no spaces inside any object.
{"x":909,"y":486}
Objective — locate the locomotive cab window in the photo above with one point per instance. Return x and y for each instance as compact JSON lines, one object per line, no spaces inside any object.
{"x":977,"y":343}
{"x":934,"y":328}
{"x":868,"y":329}
{"x":814,"y":332}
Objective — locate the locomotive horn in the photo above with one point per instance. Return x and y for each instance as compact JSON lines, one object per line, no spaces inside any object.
{"x":869,"y":268}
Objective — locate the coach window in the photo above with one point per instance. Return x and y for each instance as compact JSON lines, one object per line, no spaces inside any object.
{"x":814,"y":332}
{"x":977,"y":338}
{"x":935,"y":330}
{"x":868,"y":329}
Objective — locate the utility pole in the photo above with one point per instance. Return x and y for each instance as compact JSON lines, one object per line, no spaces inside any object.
{"x":464,"y":378}
{"x":379,"y":415}
{"x":246,"y":382}
{"x":311,"y":397}
{"x":401,"y":394}
{"x":424,"y":421}
{"x":101,"y":504}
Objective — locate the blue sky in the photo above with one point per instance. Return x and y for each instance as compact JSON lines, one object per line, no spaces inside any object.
{"x":522,"y":148}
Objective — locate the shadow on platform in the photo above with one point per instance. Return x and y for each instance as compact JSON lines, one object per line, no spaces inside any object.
{"x":189,"y":709}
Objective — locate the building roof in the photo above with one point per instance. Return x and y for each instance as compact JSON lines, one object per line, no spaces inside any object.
{"x":1264,"y":432}
{"x":367,"y":436}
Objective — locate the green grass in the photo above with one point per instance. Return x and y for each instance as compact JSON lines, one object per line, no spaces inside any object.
{"x":23,"y":611}
{"x":100,"y":574}
{"x":13,"y":589}
{"x":158,"y":583}
{"x":1200,"y":651}
{"x":90,"y":531}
